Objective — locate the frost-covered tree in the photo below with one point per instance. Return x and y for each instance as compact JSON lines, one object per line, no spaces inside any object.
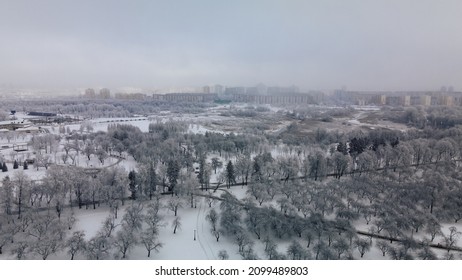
{"x":7,"y":195}
{"x":223,"y":255}
{"x":133,"y":217}
{"x":318,"y":165}
{"x":98,"y":248}
{"x":212,"y":217}
{"x":256,"y":221}
{"x":149,"y":179}
{"x":173,"y":171}
{"x":230,"y":175}
{"x":216,"y":163}
{"x":176,"y":224}
{"x":101,"y":155}
{"x":133,"y":184}
{"x":20,"y":249}
{"x":124,"y":240}
{"x":340,"y":246}
{"x":230,"y":218}
{"x":21,"y":183}
{"x":174,"y":204}
{"x":363,"y":246}
{"x":89,"y":150}
{"x":433,"y":228}
{"x":108,"y":226}
{"x":76,"y":243}
{"x":383,"y":246}
{"x":243,"y":168}
{"x":5,"y":238}
{"x":150,"y":241}
{"x":152,"y":217}
{"x":296,"y":252}
{"x":451,"y":239}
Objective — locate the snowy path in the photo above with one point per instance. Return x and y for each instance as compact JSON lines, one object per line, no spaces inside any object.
{"x":200,"y":232}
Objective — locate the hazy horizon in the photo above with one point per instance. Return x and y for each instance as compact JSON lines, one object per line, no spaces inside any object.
{"x":363,"y":45}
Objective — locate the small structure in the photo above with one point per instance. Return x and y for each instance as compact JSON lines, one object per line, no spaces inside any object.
{"x":42,"y":114}
{"x":20,"y":147}
{"x":28,"y":129}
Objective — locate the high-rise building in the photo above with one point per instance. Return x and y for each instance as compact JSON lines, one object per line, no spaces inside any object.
{"x":104,"y":93}
{"x":218,"y":89}
{"x":90,"y":93}
{"x":235,"y":90}
{"x":206,"y":89}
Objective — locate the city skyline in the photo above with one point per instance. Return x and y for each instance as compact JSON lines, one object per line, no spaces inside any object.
{"x":386,"y":45}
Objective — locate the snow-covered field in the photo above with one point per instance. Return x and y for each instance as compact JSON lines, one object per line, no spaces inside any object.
{"x":194,"y":239}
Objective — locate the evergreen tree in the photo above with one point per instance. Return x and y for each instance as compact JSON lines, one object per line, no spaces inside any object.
{"x":257,"y":176}
{"x":151,"y":182}
{"x":4,"y":167}
{"x":25,"y":165}
{"x":6,"y":195}
{"x":132,"y":185}
{"x":173,"y":170}
{"x":230,"y":176}
{"x":201,"y":175}
{"x":15,"y":164}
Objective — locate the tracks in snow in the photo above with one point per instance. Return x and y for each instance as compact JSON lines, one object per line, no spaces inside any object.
{"x":207,"y":249}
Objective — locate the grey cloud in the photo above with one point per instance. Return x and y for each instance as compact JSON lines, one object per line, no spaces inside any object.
{"x":314,"y":44}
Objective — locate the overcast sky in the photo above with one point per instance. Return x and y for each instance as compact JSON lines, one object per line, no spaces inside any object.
{"x":363,"y":45}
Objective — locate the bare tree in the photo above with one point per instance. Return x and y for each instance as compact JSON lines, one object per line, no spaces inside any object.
{"x":20,"y":249}
{"x":452,"y":238}
{"x":7,"y":195}
{"x":152,"y":217}
{"x":174,"y":203}
{"x":383,"y":246}
{"x":176,"y":224}
{"x":295,"y":251}
{"x":21,"y":184}
{"x":363,"y":246}
{"x":101,"y":155}
{"x":5,"y":238}
{"x":97,"y":248}
{"x":133,"y":217}
{"x":76,"y":243}
{"x":216,"y":163}
{"x":212,"y":217}
{"x":109,"y":225}
{"x":125,"y":239}
{"x":150,"y":241}
{"x":433,"y":228}
{"x":340,"y":246}
{"x":46,"y":246}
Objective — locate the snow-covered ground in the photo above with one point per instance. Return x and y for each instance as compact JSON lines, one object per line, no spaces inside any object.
{"x":182,"y":244}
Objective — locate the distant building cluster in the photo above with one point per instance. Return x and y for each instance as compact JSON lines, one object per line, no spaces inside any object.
{"x":312,"y":98}
{"x":261,"y":90}
{"x":104,"y":93}
{"x":130,"y":96}
{"x":186,"y":97}
{"x":401,"y":98}
{"x":259,"y":94}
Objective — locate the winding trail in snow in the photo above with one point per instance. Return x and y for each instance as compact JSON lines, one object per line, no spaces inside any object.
{"x":200,"y":232}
